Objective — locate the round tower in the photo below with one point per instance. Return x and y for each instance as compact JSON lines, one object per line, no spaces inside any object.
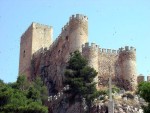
{"x":91,"y":54}
{"x":127,"y":58}
{"x":78,"y":32}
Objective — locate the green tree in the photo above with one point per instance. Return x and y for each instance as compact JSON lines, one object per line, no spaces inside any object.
{"x":21,"y":97}
{"x":1,"y":81}
{"x":22,"y":83}
{"x":5,"y":94}
{"x":144,"y":92}
{"x":33,"y":94}
{"x":40,"y":86}
{"x":80,"y":78}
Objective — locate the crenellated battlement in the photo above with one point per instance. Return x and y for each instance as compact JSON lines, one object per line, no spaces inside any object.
{"x":127,"y":49}
{"x":127,"y":53}
{"x":73,"y":18}
{"x":101,"y":50}
{"x":108,"y":51}
{"x":37,"y":25}
{"x":78,"y":17}
{"x":90,"y":46}
{"x":66,"y":27}
{"x":141,"y":77}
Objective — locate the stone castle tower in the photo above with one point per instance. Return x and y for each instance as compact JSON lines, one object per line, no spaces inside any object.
{"x":39,"y":56}
{"x":37,"y":36}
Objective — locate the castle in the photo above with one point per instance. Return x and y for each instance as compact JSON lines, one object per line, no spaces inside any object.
{"x":41,"y":56}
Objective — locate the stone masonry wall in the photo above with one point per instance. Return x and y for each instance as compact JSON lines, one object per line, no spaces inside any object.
{"x":41,"y":36}
{"x":25,"y":52}
{"x":37,"y":36}
{"x":50,"y":62}
{"x":48,"y":59}
{"x":119,"y":64}
{"x":107,"y":66}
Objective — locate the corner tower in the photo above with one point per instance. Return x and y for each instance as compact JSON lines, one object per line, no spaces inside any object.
{"x":127,"y":60}
{"x":37,"y":36}
{"x":78,"y":32}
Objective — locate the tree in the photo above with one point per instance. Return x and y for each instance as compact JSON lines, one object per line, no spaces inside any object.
{"x":5,"y":94}
{"x":22,"y":83}
{"x":21,"y":97}
{"x":40,"y":86}
{"x":144,"y":91}
{"x":80,"y":78}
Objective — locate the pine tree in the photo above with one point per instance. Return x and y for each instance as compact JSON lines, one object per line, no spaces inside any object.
{"x":21,"y":97}
{"x":80,"y":78}
{"x":144,"y":92}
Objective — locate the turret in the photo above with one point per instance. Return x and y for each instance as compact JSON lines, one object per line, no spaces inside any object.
{"x":91,"y":54}
{"x":78,"y":31}
{"x":127,"y":60}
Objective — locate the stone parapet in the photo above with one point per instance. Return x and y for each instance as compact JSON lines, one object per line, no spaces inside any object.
{"x":93,"y":46}
{"x":108,"y":51}
{"x":127,"y":49}
{"x":128,"y":53}
{"x":79,"y":17}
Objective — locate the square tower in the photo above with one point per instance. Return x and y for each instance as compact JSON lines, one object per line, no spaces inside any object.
{"x":37,"y":36}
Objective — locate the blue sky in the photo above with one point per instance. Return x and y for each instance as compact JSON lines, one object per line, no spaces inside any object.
{"x":112,"y":24}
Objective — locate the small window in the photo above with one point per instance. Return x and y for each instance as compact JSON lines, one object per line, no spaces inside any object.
{"x":24,"y":53}
{"x":66,"y":37}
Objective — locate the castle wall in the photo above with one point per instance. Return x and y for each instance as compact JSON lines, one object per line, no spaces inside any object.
{"x":119,"y":64}
{"x":104,"y":61}
{"x":25,"y":52}
{"x":107,"y":62}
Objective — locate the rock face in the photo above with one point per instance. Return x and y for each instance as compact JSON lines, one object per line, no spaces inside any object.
{"x":123,"y":103}
{"x":40,"y":56}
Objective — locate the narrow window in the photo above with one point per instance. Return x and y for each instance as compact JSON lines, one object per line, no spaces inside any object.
{"x":24,"y":53}
{"x":66,"y":37}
